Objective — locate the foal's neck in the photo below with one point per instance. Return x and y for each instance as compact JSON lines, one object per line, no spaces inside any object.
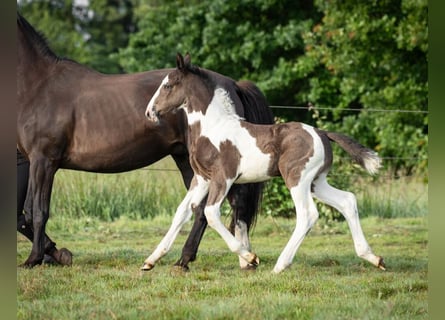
{"x":219,"y":112}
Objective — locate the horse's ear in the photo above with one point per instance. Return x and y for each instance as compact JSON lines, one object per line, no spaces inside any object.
{"x":179,"y":62}
{"x":187,"y":60}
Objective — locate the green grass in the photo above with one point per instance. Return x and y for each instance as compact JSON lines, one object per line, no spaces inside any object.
{"x":111,"y":223}
{"x":326,"y":281}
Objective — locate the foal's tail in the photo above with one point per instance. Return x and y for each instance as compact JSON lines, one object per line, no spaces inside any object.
{"x":365,"y":157}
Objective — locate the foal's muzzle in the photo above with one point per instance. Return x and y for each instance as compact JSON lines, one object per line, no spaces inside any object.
{"x":152,"y":115}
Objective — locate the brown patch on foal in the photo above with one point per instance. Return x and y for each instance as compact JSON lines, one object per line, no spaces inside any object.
{"x":289,"y":145}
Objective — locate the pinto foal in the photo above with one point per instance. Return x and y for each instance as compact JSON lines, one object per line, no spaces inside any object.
{"x":225,"y":150}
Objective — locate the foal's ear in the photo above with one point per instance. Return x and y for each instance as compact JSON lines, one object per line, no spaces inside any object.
{"x":182,"y":63}
{"x":187,"y":60}
{"x":179,"y":62}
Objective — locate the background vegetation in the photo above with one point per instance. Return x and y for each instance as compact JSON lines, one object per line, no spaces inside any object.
{"x":358,"y":67}
{"x":339,"y":55}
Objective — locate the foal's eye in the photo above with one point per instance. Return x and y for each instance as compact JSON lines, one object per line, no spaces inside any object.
{"x":167,"y":86}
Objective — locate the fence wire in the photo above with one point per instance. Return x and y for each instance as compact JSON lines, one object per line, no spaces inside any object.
{"x":310,"y":107}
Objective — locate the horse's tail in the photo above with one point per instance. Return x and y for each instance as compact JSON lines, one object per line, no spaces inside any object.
{"x":256,"y":110}
{"x":365,"y":157}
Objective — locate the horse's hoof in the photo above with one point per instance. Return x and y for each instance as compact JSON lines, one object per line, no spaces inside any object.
{"x":147,"y":266}
{"x":381,"y":265}
{"x":28,"y":264}
{"x":249,"y":267}
{"x":254,"y":260}
{"x":64,"y":257}
{"x":178,"y":266}
{"x":179,"y":270}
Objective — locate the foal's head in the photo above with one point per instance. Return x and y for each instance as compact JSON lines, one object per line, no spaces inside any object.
{"x":174,"y":90}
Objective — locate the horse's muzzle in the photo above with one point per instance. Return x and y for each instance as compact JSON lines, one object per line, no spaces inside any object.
{"x":152,"y":115}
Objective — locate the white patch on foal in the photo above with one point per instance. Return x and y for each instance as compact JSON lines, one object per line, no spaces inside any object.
{"x":221,"y":114}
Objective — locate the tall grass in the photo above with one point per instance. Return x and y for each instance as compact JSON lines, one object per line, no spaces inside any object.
{"x":158,"y":190}
{"x":139,"y":194}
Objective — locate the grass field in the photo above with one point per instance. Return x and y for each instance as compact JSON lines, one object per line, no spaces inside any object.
{"x":326,"y":280}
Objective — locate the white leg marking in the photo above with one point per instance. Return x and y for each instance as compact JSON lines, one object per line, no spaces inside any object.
{"x":242,"y":235}
{"x":182,"y":215}
{"x":346,"y":203}
{"x":213,"y":215}
{"x":307,"y":214}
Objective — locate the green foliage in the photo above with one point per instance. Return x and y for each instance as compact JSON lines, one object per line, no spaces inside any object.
{"x":364,"y":55}
{"x":90,"y":35}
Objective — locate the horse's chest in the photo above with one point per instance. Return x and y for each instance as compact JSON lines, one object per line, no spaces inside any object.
{"x":234,"y":156}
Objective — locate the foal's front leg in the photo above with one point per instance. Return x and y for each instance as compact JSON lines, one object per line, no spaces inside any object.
{"x":212,"y":211}
{"x":197,"y":192}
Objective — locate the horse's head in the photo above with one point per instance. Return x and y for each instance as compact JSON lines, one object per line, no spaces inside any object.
{"x":172,"y":93}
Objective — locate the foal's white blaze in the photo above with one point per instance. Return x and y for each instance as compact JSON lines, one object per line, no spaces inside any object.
{"x":222,"y":124}
{"x":149,"y":112}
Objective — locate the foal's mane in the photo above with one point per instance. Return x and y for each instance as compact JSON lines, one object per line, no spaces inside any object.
{"x":246,"y":91}
{"x":35,"y":38}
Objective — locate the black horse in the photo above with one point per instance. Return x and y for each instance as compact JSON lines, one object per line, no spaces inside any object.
{"x":70,"y":116}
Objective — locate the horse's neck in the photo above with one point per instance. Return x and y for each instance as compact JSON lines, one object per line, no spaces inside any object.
{"x":30,"y":55}
{"x":218,"y":114}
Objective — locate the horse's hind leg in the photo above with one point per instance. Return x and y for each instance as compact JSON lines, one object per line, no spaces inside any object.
{"x":346,"y":203}
{"x":307,"y":215}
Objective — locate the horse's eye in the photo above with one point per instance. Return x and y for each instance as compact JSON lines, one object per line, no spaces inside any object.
{"x":167,"y":86}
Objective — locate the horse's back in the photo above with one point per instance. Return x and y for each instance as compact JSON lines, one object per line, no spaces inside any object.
{"x":96,"y":121}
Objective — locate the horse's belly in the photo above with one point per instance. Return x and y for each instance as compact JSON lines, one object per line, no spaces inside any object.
{"x":254,"y":167}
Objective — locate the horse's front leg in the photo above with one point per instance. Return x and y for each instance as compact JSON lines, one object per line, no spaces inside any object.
{"x":191,"y":245}
{"x":198,"y":190}
{"x":212,"y":211}
{"x":37,"y":202}
{"x":24,"y":226}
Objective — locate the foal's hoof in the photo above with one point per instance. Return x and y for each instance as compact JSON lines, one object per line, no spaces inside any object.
{"x":147,"y":266}
{"x":249,"y":267}
{"x":381,"y":265}
{"x":254,"y":260}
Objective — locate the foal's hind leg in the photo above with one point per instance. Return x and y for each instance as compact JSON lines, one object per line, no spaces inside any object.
{"x":346,"y":203}
{"x":194,"y":196}
{"x":307,"y":215}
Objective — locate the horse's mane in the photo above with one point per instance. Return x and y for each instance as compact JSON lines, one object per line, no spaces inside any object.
{"x":36,"y":39}
{"x":255,"y":105}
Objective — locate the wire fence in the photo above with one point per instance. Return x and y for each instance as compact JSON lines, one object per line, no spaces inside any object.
{"x":310,"y":107}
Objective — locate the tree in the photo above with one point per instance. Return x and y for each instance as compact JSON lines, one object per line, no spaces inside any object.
{"x":372,"y":55}
{"x":89,"y":34}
